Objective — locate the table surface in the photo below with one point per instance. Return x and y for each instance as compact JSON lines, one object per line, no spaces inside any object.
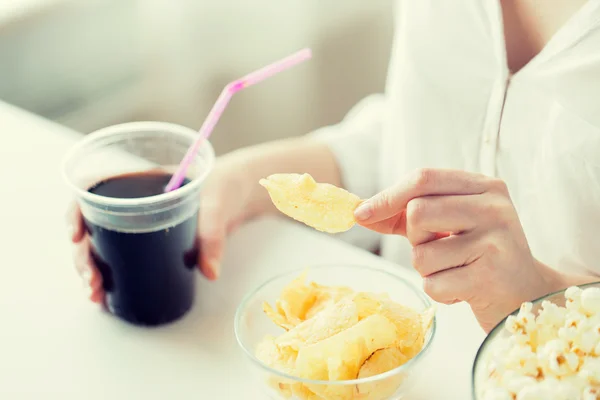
{"x":54,"y":344}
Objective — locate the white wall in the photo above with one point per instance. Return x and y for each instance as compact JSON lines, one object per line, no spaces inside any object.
{"x":97,"y":62}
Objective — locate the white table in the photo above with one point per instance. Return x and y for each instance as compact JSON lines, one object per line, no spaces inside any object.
{"x":55,"y":345}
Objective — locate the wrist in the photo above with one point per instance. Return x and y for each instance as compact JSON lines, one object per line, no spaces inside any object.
{"x":241,"y":176}
{"x":551,"y":279}
{"x":555,"y":281}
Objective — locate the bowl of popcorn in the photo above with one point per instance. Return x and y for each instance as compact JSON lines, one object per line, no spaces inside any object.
{"x":548,"y":349}
{"x":335,"y":332}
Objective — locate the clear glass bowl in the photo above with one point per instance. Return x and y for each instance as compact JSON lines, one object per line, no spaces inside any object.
{"x":252,"y":325}
{"x":478,"y":372}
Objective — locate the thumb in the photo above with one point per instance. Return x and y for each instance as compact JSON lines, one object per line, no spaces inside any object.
{"x":395,"y":225}
{"x":212,"y":234}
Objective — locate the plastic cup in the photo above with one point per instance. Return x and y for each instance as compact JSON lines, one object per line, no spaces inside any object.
{"x":145,"y":247}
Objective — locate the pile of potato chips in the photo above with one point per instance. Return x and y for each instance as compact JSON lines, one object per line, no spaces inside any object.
{"x":334,"y":333}
{"x":322,"y":206}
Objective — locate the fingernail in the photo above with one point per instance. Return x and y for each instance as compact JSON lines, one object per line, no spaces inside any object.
{"x":363,"y":212}
{"x":213,"y":270}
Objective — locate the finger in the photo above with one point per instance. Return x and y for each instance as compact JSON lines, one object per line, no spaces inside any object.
{"x":82,"y":258}
{"x":96,"y":296}
{"x":75,"y":224}
{"x":450,"y":286}
{"x":446,"y":253}
{"x":92,"y":279}
{"x":395,"y":225}
{"x":425,"y":182}
{"x":212,"y":233}
{"x":429,"y":215}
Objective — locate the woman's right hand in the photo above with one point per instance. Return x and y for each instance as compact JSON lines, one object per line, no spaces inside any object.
{"x":224,"y":205}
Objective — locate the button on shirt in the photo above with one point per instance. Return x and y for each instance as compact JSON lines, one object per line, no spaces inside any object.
{"x":450,"y":102}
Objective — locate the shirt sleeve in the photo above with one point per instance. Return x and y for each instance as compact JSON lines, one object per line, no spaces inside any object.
{"x":355,"y":143}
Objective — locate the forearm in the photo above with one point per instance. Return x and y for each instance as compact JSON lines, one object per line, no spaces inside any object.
{"x":294,"y":155}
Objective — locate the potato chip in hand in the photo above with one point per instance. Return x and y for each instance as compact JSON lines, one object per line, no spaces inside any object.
{"x":322,"y":206}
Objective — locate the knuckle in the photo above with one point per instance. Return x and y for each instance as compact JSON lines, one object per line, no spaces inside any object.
{"x":491,"y":248}
{"x":433,"y":289}
{"x":416,"y":211}
{"x":429,"y":287}
{"x":498,"y":186}
{"x":418,"y":257}
{"x":499,"y":211}
{"x":423,"y":178}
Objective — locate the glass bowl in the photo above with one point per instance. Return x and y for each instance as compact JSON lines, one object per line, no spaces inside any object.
{"x":478,"y":373}
{"x":252,"y":325}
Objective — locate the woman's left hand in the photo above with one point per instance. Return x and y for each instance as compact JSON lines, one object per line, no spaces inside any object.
{"x":467,"y":240}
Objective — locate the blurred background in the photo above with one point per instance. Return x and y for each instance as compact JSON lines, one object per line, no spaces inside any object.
{"x":91,"y":63}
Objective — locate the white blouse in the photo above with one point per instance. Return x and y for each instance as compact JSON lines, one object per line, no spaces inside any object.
{"x":450,"y":102}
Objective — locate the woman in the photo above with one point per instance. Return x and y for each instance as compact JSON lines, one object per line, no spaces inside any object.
{"x":479,"y":160}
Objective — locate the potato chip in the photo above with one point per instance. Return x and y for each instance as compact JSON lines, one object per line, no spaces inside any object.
{"x":340,"y":316}
{"x":352,"y":346}
{"x":302,"y":392}
{"x":333,"y":334}
{"x":326,"y":296}
{"x":295,"y":300}
{"x":276,"y":317}
{"x":341,"y":368}
{"x":322,"y":206}
{"x":367,"y":304}
{"x":426,"y":322}
{"x":408,"y":321}
{"x":293,"y":303}
{"x":278,"y":358}
{"x":299,"y":302}
{"x":285,"y":389}
{"x":381,"y":361}
{"x":282,"y":360}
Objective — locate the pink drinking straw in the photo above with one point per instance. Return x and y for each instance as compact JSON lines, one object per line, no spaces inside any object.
{"x":221,"y":103}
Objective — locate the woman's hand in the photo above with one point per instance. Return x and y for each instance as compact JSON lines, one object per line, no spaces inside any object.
{"x":467,"y":240}
{"x":223,"y":206}
{"x":230,"y":197}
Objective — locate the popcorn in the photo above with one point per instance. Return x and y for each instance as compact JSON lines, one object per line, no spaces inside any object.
{"x":587,"y":341}
{"x":498,"y":393}
{"x":515,"y":382}
{"x":590,"y":393}
{"x":590,"y":370}
{"x":552,"y":356}
{"x":533,"y":392}
{"x":597,"y":350}
{"x":576,"y":382}
{"x":573,"y":297}
{"x":555,"y":359}
{"x":523,"y":360}
{"x":590,"y":300}
{"x":524,"y":322}
{"x":551,"y":314}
